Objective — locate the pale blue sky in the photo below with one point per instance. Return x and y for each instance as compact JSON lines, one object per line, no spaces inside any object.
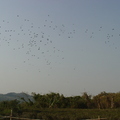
{"x":64,"y":46}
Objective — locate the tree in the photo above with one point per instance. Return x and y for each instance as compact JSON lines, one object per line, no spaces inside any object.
{"x":87,"y":99}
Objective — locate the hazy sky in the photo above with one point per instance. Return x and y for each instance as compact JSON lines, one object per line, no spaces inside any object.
{"x":63,"y":46}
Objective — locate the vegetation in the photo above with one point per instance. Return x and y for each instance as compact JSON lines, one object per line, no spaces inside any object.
{"x":54,"y":106}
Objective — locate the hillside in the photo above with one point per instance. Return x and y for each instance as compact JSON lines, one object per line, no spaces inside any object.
{"x":13,"y":96}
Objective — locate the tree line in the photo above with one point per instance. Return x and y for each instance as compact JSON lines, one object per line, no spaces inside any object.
{"x":33,"y":108}
{"x":103,"y":100}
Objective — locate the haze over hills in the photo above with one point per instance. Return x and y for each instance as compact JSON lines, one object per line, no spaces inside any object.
{"x":13,"y":96}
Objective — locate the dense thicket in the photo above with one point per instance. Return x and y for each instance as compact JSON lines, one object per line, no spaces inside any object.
{"x":55,"y":100}
{"x":47,"y":103}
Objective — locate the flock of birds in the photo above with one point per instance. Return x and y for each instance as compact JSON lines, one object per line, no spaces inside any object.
{"x":27,"y":38}
{"x":32,"y":41}
{"x":108,"y":37}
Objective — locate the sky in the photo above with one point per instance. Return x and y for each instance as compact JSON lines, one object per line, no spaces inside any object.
{"x":62,"y":46}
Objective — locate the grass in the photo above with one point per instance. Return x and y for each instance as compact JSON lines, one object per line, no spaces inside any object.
{"x":76,"y":114}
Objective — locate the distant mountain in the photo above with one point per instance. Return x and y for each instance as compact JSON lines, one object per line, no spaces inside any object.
{"x":13,"y":96}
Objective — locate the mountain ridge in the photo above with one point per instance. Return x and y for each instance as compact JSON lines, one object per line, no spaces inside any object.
{"x":12,"y":96}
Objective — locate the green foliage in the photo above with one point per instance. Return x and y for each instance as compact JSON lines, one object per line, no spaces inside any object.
{"x":56,"y":106}
{"x":55,"y":100}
